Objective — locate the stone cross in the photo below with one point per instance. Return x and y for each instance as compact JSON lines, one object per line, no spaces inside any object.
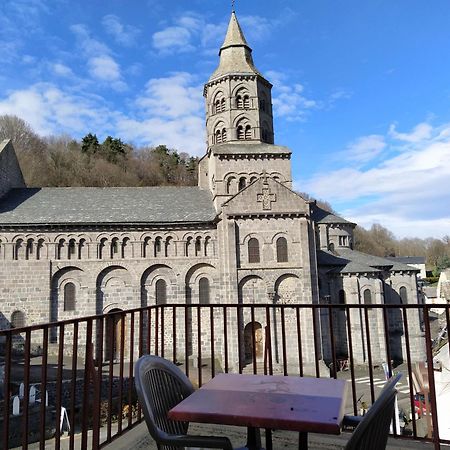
{"x":266,"y":198}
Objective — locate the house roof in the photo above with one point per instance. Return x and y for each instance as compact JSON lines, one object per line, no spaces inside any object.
{"x":345,"y":260}
{"x":112,"y":205}
{"x":408,"y":259}
{"x":320,"y":215}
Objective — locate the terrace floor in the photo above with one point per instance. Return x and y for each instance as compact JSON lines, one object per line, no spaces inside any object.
{"x":138,"y":438}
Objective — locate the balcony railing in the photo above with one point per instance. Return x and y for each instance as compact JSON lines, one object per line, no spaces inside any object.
{"x":76,"y":376}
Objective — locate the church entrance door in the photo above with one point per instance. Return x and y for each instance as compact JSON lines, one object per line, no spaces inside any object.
{"x":253,"y":341}
{"x":115,"y":325}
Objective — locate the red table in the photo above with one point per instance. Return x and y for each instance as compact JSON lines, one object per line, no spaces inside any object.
{"x":271,"y":402}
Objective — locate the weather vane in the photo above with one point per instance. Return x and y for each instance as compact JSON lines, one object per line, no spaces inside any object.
{"x":232,"y":5}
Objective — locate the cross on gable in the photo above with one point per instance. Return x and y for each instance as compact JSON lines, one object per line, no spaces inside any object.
{"x":266,"y":198}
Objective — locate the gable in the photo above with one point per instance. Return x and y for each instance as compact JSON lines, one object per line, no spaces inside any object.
{"x":266,"y":196}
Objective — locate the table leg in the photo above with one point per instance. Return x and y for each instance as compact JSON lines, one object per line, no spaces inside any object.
{"x":268,"y":439}
{"x":253,"y":439}
{"x":303,"y":440}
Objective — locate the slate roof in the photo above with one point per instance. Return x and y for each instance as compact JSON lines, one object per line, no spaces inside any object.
{"x":408,"y":259}
{"x":111,"y":205}
{"x":320,"y":215}
{"x":345,"y":260}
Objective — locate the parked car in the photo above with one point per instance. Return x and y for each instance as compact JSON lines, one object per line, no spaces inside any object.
{"x":420,"y":405}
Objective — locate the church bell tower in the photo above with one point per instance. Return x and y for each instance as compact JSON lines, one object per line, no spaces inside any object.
{"x":238,"y":97}
{"x":239,"y":124}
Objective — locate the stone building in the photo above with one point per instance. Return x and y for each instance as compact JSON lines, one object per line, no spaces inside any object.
{"x":242,"y":236}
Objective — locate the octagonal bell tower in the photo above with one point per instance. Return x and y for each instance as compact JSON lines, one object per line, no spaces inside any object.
{"x":238,"y":97}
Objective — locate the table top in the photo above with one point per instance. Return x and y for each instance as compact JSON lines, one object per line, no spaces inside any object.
{"x":264,"y":401}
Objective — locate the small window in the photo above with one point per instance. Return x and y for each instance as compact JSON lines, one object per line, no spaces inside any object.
{"x":240,"y":133}
{"x":239,"y":102}
{"x":367,"y":296}
{"x":282,"y":250}
{"x":248,"y":132}
{"x":115,"y":247}
{"x":224,"y":134}
{"x":161,"y":292}
{"x":189,"y":246}
{"x":17,"y":319}
{"x":203,"y":291}
{"x":253,"y":251}
{"x":343,"y":241}
{"x":222,"y":105}
{"x":29,"y":249}
{"x":69,"y":297}
{"x":242,"y":183}
{"x":246,"y":101}
{"x":403,"y":295}
{"x":158,"y":246}
{"x":331,"y":247}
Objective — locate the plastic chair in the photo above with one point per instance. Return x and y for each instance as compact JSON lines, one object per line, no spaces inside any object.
{"x":372,"y":429}
{"x":161,"y":385}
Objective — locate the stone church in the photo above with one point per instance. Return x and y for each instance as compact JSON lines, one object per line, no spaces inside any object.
{"x":242,"y":236}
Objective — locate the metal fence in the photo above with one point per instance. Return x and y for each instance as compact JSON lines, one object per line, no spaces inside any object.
{"x":75,"y":377}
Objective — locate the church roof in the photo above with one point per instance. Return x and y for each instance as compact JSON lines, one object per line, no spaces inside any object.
{"x":346,"y":260}
{"x":235,"y":53}
{"x":320,"y":215}
{"x":111,"y":205}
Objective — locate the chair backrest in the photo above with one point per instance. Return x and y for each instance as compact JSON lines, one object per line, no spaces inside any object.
{"x":372,"y":432}
{"x":160,"y":386}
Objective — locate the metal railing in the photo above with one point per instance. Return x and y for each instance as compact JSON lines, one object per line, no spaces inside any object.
{"x":84,"y":367}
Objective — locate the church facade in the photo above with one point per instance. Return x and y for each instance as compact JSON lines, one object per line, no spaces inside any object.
{"x":242,"y":236}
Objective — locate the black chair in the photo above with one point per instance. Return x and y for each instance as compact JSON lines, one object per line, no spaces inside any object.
{"x":160,"y":386}
{"x":372,"y":429}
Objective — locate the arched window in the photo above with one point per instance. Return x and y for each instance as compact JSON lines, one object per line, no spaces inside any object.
{"x":158,"y":246}
{"x":242,"y":183}
{"x":60,"y":249}
{"x":218,"y":137}
{"x":367,"y":297}
{"x":246,"y":101}
{"x":161,"y":292}
{"x":115,"y":248}
{"x":341,"y":298}
{"x":69,"y":297}
{"x":170,"y":247}
{"x":253,"y":250}
{"x":189,"y":246}
{"x":72,"y":249}
{"x":282,"y":250}
{"x":216,"y":106}
{"x":222,"y":105}
{"x":198,"y":247}
{"x":203,"y":291}
{"x":231,"y":185}
{"x":29,"y":249}
{"x":248,"y":132}
{"x":101,"y":248}
{"x":126,"y":248}
{"x":18,"y":249}
{"x":331,"y":247}
{"x":240,"y":132}
{"x":17,"y":319}
{"x":224,"y":134}
{"x":208,"y":246}
{"x":239,"y":101}
{"x":147,"y":248}
{"x":39,"y":248}
{"x":403,"y":295}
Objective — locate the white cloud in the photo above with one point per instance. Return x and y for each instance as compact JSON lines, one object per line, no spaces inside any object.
{"x":88,"y":44}
{"x":62,"y":70}
{"x":173,"y":96}
{"x":104,"y":68}
{"x":172,"y":39}
{"x":406,"y":192}
{"x":288,"y":99}
{"x":365,"y":148}
{"x":123,"y":34}
{"x":50,"y":110}
{"x":419,"y":133}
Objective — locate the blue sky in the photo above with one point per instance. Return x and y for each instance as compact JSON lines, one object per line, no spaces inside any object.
{"x":361,"y":89}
